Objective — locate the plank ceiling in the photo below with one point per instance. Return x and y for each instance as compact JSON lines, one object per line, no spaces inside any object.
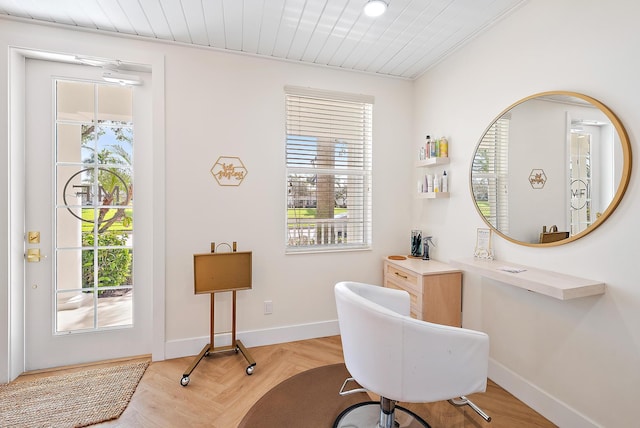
{"x":406,"y":41}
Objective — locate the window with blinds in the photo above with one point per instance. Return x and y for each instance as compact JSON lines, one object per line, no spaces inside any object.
{"x":328,"y":157}
{"x":490,"y":175}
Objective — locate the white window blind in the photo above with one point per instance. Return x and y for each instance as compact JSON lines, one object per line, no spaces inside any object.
{"x":328,"y":157}
{"x":490,"y":175}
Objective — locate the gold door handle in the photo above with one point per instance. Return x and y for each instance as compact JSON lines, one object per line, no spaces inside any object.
{"x":33,"y":255}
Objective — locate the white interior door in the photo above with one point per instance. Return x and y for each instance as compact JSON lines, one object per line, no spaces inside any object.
{"x":86,"y":295}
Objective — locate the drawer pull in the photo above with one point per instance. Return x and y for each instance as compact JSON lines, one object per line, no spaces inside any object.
{"x":401,"y":276}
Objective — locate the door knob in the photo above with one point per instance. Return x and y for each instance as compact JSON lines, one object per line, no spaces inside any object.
{"x":33,"y":255}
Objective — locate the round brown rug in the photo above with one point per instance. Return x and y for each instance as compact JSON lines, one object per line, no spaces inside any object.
{"x":309,"y":399}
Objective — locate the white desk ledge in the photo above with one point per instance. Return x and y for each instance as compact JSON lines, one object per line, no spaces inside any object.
{"x":553,"y":284}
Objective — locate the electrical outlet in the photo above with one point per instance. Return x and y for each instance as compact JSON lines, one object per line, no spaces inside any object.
{"x":268,"y":307}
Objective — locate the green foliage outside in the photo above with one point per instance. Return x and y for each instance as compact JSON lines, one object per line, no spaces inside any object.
{"x":484,"y":208}
{"x":114,"y":264}
{"x":89,"y":215}
{"x":310,"y":212}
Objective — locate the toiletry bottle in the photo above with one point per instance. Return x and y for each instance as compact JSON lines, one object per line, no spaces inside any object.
{"x":432,"y":149}
{"x":445,"y":184}
{"x":425,"y":248}
{"x":427,"y":147}
{"x":429,"y":183}
{"x":437,"y":151}
{"x":444,"y":147}
{"x":436,"y":183}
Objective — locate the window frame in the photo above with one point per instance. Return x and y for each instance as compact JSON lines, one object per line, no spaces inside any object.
{"x":328,"y":135}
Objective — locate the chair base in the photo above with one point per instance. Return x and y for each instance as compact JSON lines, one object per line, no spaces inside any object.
{"x":367,"y":415}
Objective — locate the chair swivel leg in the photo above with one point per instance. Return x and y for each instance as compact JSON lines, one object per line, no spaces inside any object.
{"x":387,"y":413}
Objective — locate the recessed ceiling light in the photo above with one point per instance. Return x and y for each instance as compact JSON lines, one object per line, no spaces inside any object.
{"x":375,"y":8}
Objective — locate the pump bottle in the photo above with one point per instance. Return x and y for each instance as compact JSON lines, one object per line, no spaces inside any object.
{"x":428,"y":147}
{"x":425,"y":248}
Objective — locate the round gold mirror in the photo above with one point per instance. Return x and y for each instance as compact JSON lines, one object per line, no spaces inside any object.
{"x":550,"y":168}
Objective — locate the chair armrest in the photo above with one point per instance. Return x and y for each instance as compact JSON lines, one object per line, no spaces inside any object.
{"x":397,"y":301}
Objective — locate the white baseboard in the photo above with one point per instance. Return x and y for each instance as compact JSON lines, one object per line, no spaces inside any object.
{"x":193,"y":346}
{"x":548,"y":406}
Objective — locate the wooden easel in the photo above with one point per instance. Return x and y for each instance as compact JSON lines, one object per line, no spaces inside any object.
{"x":229,"y":272}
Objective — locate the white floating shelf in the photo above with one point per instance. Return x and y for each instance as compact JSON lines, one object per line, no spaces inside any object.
{"x":553,"y":284}
{"x":433,"y":195}
{"x":432,"y":162}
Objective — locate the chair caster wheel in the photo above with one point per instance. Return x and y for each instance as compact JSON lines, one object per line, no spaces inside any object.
{"x":249,"y":370}
{"x":184,"y":381}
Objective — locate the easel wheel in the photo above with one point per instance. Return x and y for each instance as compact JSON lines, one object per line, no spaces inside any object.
{"x":184,"y":381}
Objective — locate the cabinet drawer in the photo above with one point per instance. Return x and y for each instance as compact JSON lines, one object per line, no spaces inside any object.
{"x":397,"y":275}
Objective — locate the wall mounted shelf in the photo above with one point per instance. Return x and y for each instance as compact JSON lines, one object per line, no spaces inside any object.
{"x":553,"y":284}
{"x":433,"y":195}
{"x":432,"y":162}
{"x":426,"y":163}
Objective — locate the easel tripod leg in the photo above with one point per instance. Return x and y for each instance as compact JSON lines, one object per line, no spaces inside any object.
{"x":185,"y":376}
{"x":247,"y":356}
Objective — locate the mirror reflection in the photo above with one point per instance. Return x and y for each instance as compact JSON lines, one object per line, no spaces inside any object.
{"x":550,"y":168}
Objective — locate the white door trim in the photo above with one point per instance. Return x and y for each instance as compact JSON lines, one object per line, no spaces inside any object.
{"x":12,"y":362}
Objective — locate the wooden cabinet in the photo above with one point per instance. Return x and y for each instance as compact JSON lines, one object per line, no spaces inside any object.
{"x":435,"y":288}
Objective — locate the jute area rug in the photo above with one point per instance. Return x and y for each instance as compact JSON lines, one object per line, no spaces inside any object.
{"x":309,"y":399}
{"x":74,"y":399}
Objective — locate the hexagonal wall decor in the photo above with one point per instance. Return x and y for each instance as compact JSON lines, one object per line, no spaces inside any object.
{"x":537,"y":178}
{"x":229,"y":171}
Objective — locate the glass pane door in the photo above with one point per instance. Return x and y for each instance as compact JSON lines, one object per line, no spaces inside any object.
{"x":94,"y":206}
{"x":580,"y":182}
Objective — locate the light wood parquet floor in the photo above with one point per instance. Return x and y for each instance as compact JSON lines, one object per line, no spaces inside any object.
{"x":220,"y":393}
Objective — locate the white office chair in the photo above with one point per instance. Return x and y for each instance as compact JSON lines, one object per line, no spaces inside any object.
{"x":402,"y":359}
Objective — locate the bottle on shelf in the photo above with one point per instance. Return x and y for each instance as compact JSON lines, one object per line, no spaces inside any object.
{"x":436,"y":183}
{"x":444,"y":147}
{"x":432,"y":149}
{"x":445,"y":184}
{"x":427,"y":147}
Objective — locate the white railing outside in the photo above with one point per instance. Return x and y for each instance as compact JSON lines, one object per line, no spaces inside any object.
{"x":317,"y":232}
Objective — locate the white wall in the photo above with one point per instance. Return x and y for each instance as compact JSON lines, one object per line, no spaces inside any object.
{"x":230,"y":105}
{"x":221,"y":104}
{"x":576,"y":361}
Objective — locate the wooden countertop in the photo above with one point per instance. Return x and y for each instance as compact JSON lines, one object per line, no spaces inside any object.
{"x":423,"y":267}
